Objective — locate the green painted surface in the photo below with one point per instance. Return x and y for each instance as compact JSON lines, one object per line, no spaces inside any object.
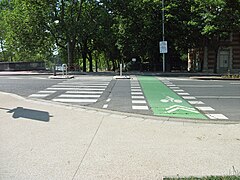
{"x":164,"y":102}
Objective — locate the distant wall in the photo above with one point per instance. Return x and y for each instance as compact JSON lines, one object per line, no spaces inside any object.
{"x":21,"y":66}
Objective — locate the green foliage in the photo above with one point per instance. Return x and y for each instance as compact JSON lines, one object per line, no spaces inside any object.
{"x":107,"y":31}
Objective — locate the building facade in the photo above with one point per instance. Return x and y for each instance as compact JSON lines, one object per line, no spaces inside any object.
{"x":227,"y":59}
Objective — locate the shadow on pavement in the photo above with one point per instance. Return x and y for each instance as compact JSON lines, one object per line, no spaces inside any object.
{"x":32,"y":114}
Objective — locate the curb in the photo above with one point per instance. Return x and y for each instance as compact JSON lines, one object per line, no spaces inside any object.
{"x":127,"y":114}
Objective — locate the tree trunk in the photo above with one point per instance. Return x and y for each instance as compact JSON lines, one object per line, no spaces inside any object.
{"x":70,"y":52}
{"x":90,"y":61}
{"x":96,"y":65}
{"x":84,"y":56}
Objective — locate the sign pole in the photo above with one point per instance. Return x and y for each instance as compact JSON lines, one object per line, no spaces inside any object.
{"x":163,"y":33}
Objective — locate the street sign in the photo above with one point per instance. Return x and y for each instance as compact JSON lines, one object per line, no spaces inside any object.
{"x":163,"y":46}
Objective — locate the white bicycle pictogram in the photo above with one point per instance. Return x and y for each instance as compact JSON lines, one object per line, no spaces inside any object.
{"x":170,"y":99}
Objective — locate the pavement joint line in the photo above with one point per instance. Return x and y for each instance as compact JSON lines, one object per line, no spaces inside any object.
{"x":78,"y":168}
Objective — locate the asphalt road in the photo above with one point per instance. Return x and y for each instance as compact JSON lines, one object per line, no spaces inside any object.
{"x":215,"y":99}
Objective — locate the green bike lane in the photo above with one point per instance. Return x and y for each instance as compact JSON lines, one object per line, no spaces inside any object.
{"x":165,"y":102}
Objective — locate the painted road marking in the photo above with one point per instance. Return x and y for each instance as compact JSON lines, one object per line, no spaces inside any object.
{"x":39,"y":95}
{"x":137,"y":97}
{"x":205,"y":108}
{"x":78,"y":86}
{"x":174,"y":87}
{"x":216,"y":116}
{"x":79,"y":95}
{"x":105,"y":106}
{"x":188,"y":97}
{"x":170,"y":99}
{"x":139,"y":102}
{"x":140,"y":107}
{"x":201,"y":86}
{"x":75,"y":100}
{"x":47,"y":92}
{"x":178,"y":90}
{"x":175,"y":106}
{"x":183,"y":94}
{"x":195,"y":102}
{"x":70,"y":89}
{"x":136,"y":93}
{"x":136,"y":89}
{"x":84,"y":92}
{"x":219,"y":97}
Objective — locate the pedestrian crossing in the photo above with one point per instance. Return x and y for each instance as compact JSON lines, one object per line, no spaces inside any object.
{"x":82,"y":91}
{"x":138,"y":99}
{"x":89,"y":91}
{"x":199,"y":105}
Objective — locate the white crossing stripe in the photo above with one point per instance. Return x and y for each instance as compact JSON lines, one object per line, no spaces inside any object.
{"x":174,"y":87}
{"x":137,"y":97}
{"x":80,"y":89}
{"x":136,"y":93}
{"x":139,"y":102}
{"x":79,"y":96}
{"x":205,"y":108}
{"x":78,"y":86}
{"x":171,"y":85}
{"x":136,"y":90}
{"x":188,"y":97}
{"x":195,"y":102}
{"x":47,"y":92}
{"x":105,"y":106}
{"x":216,"y":116}
{"x":140,"y":107}
{"x":84,"y":92}
{"x":183,"y":94}
{"x":39,"y":95}
{"x":135,"y":87}
{"x":178,"y":90}
{"x":75,"y":100}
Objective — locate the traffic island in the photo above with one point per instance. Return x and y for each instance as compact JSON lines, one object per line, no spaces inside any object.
{"x":61,"y":77}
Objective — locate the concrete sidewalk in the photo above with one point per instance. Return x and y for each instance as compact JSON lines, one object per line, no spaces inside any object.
{"x":45,"y":140}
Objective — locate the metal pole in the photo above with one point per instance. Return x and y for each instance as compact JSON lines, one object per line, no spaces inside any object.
{"x":163,"y":33}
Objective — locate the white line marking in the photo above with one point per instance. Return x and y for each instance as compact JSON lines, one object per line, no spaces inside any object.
{"x":139,"y":102}
{"x":171,"y":85}
{"x":137,"y":97}
{"x":202,"y":86}
{"x":178,"y":90}
{"x":76,"y":100}
{"x":135,"y":87}
{"x":195,"y":102}
{"x":47,"y":91}
{"x":81,"y":89}
{"x":185,"y":94}
{"x":105,"y":106}
{"x":235,"y":83}
{"x":83,"y":84}
{"x":136,"y":90}
{"x":219,"y":97}
{"x":174,"y":87}
{"x":84,"y":92}
{"x":188,"y":97}
{"x":108,"y":100}
{"x":39,"y":95}
{"x":216,"y":116}
{"x":140,"y":107}
{"x":205,"y":108}
{"x":79,"y":96}
{"x":78,"y":86}
{"x":136,"y":93}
